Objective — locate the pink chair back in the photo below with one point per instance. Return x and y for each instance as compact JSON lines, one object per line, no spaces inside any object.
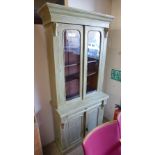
{"x":119,"y":124}
{"x":103,"y":140}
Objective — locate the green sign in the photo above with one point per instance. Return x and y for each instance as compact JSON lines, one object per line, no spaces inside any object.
{"x":116,"y":75}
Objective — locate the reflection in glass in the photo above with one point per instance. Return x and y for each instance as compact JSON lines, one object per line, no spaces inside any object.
{"x":72,"y":63}
{"x":93,"y":54}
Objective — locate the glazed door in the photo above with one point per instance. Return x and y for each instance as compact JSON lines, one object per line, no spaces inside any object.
{"x":71,"y":38}
{"x":94,"y":58}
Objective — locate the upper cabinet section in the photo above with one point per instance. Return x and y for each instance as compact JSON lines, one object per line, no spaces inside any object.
{"x":57,"y":13}
{"x":76,"y":45}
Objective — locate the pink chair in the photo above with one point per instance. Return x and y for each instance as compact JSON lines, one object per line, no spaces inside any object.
{"x":104,"y":139}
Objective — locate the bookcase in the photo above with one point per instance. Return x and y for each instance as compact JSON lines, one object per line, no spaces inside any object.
{"x":76,"y":45}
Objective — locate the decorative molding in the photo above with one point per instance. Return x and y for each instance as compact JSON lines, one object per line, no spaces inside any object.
{"x":55,"y":29}
{"x":106,"y":32}
{"x":50,"y":12}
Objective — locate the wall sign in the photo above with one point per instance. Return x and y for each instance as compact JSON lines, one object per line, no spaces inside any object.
{"x":116,"y":75}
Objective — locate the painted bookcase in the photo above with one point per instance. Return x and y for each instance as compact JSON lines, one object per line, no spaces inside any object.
{"x":76,"y":45}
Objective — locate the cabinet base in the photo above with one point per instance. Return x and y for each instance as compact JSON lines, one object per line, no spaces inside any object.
{"x":68,"y":149}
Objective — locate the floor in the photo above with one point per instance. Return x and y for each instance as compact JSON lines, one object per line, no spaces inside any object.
{"x":51,"y":149}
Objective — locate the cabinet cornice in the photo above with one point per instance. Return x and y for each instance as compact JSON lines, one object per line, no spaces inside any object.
{"x":50,"y":12}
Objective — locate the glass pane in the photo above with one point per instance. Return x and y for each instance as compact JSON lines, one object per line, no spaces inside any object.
{"x":93,"y":50}
{"x":72,"y":63}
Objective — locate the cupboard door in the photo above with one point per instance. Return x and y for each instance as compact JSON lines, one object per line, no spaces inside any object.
{"x":94,"y":117}
{"x":93,"y":60}
{"x":71,"y":37}
{"x":91,"y":119}
{"x":75,"y":128}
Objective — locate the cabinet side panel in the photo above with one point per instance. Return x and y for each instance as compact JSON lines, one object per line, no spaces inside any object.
{"x":57,"y":128}
{"x":51,"y":63}
{"x":64,"y":134}
{"x":61,"y":131}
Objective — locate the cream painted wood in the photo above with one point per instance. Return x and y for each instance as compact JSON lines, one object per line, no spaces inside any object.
{"x":69,"y":130}
{"x":72,"y":117}
{"x":83,"y":105}
{"x":57,"y":13}
{"x":91,"y":119}
{"x":94,"y":117}
{"x":65,"y":135}
{"x":58,"y":131}
{"x":52,"y":43}
{"x":60,"y":30}
{"x":100,"y":114}
{"x":75,"y":128}
{"x":101,"y":59}
{"x":61,"y":131}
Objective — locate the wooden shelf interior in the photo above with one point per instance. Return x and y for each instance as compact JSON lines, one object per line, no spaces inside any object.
{"x":92,"y":74}
{"x":72,"y":74}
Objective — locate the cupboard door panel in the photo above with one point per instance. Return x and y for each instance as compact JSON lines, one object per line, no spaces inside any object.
{"x":91,"y":119}
{"x":94,"y":117}
{"x":75,"y":128}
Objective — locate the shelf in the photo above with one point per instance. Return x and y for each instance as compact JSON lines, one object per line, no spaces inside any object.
{"x":93,"y":57}
{"x":92,"y":61}
{"x":91,"y":73}
{"x":72,"y":77}
{"x":71,"y":65}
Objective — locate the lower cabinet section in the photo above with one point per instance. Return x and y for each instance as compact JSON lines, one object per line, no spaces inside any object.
{"x":71,"y":129}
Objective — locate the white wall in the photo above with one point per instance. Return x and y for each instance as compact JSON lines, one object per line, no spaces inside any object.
{"x":102,"y":6}
{"x":42,"y":95}
{"x":113,"y":61}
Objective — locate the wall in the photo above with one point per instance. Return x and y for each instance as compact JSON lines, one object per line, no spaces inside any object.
{"x":42,"y":95}
{"x":102,"y":6}
{"x":112,"y":87}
